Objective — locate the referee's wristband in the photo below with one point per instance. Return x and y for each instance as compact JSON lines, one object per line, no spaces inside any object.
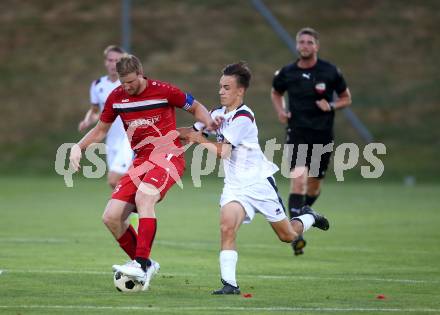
{"x":332,"y":106}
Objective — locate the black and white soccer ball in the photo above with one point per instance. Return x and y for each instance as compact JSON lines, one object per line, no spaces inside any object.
{"x":124,"y":283}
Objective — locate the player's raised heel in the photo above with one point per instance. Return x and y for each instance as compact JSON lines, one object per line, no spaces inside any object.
{"x":321,"y":222}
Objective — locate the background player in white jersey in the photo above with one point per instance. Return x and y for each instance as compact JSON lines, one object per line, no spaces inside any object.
{"x":119,"y":153}
{"x":249,"y":186}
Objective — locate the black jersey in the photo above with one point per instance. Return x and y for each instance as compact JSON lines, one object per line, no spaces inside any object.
{"x":305,"y":87}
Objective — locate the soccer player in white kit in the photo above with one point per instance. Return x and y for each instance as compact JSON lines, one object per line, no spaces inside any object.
{"x":119,"y":153}
{"x":249,"y":184}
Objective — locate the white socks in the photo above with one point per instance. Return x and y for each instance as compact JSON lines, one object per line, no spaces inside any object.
{"x":228,"y":262}
{"x":307,"y":221}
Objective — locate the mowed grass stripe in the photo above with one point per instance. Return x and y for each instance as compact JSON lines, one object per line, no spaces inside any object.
{"x":274,"y":277}
{"x":224,"y":308}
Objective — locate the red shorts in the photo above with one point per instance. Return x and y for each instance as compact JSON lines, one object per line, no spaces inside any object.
{"x":162,"y":177}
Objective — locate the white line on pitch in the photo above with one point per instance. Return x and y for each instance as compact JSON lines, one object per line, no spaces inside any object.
{"x":275,"y":277}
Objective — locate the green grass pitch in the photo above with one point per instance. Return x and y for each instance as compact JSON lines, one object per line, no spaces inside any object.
{"x":56,"y":255}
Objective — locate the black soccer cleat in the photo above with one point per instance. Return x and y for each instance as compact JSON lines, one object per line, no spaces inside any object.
{"x":227,"y":289}
{"x":321,"y":222}
{"x":298,"y":245}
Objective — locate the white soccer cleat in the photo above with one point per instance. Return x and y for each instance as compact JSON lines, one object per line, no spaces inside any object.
{"x":150,"y":273}
{"x":132,"y":269}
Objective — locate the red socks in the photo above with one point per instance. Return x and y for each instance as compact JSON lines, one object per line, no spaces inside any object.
{"x":139,"y":246}
{"x":146,"y":234}
{"x":128,"y":242}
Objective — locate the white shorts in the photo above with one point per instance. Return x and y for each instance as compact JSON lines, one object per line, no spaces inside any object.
{"x":119,"y":157}
{"x":260,"y":197}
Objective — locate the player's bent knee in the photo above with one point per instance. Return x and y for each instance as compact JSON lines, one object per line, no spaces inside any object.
{"x":287,"y":237}
{"x":106,"y":219}
{"x":110,"y":221}
{"x":227,"y":231}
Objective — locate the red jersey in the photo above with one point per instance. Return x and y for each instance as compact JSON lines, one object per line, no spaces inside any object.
{"x":149,"y":116}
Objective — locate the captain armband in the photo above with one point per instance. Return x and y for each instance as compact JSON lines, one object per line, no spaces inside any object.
{"x":188,"y":102}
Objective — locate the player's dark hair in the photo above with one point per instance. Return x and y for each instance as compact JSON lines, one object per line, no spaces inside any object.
{"x":241,"y":71}
{"x":113,"y":48}
{"x":129,"y":64}
{"x":308,"y":31}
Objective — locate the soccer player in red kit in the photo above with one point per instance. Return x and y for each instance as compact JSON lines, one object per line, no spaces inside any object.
{"x":147,"y":110}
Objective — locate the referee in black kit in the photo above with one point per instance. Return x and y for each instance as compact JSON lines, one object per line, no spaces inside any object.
{"x":311,"y":84}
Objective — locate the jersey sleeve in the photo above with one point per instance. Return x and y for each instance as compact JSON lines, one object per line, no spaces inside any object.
{"x":340,"y":84}
{"x":201,"y":126}
{"x":94,"y":100}
{"x":279,"y":82}
{"x":238,"y":128}
{"x":108,"y":114}
{"x":179,"y":99}
{"x":198,"y":126}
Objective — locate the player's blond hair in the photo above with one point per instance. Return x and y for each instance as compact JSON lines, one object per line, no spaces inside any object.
{"x":308,"y":31}
{"x":113,"y":48}
{"x":129,"y":64}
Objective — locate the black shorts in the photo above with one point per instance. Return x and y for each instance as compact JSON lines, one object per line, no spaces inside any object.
{"x":303,"y":154}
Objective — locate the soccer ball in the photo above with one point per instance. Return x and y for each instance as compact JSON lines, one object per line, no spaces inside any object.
{"x":124,"y":283}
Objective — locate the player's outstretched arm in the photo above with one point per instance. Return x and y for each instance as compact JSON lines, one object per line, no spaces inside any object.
{"x":201,"y":114}
{"x":222,"y":150}
{"x":95,"y":135}
{"x":183,"y":133}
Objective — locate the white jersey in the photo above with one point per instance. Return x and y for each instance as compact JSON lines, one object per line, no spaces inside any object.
{"x":99,"y":91}
{"x":247,"y":164}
